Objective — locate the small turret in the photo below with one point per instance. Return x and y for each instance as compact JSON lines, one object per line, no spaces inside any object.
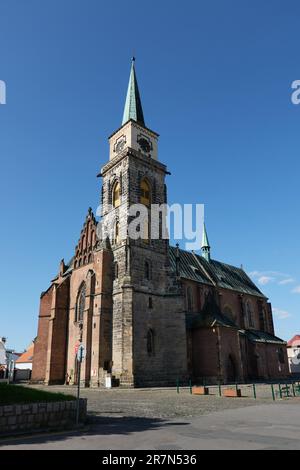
{"x":205,"y":248}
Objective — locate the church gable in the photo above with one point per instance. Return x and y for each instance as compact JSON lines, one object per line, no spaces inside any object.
{"x":87,"y":241}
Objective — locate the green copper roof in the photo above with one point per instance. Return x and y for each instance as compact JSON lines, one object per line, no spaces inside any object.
{"x":199,"y":269}
{"x":205,"y":242}
{"x":133,"y":105}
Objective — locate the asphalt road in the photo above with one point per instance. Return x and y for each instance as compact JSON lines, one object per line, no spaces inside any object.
{"x":264,"y":426}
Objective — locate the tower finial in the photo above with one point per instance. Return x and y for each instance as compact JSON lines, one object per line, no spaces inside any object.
{"x":205,"y":248}
{"x":133,"y":105}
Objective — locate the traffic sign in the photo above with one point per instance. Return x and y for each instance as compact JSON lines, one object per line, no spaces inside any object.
{"x":80,"y":353}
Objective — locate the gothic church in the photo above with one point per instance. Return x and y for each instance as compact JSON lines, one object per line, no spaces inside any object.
{"x":146,"y":312}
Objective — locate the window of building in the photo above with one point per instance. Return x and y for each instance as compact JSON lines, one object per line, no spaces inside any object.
{"x":280,"y":355}
{"x":92,"y":237}
{"x":117,"y":232}
{"x":80,"y":305}
{"x":145,"y":193}
{"x":116,"y":271}
{"x":262,"y":319}
{"x":150,"y":342}
{"x":189,"y":296}
{"x":116,"y":194}
{"x":249,"y":314}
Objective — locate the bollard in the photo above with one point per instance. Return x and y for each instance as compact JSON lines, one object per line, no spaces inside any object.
{"x":236,"y":387}
{"x":254,"y":391}
{"x":293,"y":389}
{"x":273,"y":393}
{"x":177,"y":385}
{"x":190,"y":385}
{"x":280,"y":391}
{"x":220,"y":389}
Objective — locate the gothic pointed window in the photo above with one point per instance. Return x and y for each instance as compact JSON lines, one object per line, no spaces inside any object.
{"x":116,"y":194}
{"x":116,"y":271}
{"x":262,"y":319}
{"x":145,"y":193}
{"x":249,"y":314}
{"x":80,"y":305}
{"x":150,"y":342}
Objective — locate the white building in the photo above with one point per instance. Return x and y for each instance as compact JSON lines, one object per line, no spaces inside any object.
{"x":8,"y":359}
{"x":23,"y":366}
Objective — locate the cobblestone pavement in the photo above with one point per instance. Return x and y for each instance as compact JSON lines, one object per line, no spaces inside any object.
{"x":268,"y":426}
{"x":126,"y":419}
{"x":165,"y":403}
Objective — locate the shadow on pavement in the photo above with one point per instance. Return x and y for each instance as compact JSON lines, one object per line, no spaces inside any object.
{"x":97,"y":426}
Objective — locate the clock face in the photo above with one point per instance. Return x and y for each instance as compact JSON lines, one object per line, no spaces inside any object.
{"x":145,"y":145}
{"x":120,"y":145}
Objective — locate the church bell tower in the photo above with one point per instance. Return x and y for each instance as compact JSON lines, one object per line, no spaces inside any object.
{"x":143,"y":307}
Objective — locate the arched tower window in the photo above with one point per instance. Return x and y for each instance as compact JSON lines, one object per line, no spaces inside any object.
{"x":116,"y":194}
{"x":150,"y":342}
{"x":80,"y":305}
{"x":145,"y":193}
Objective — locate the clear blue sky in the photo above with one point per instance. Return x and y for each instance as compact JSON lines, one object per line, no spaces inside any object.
{"x":215,"y":80}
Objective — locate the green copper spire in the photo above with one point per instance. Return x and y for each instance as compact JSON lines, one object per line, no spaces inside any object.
{"x":133,"y":106}
{"x":205,"y":245}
